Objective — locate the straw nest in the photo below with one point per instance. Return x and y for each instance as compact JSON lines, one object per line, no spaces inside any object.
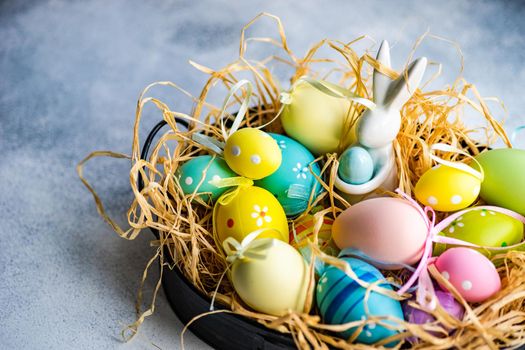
{"x":185,"y":221}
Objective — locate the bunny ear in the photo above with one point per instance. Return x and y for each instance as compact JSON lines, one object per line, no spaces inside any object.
{"x":401,"y":90}
{"x":381,"y":81}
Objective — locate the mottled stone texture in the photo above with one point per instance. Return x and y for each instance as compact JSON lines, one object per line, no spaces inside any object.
{"x":70,"y":73}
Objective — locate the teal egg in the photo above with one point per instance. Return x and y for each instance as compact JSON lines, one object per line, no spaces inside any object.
{"x":355,"y":166}
{"x":191,"y":173}
{"x":293,"y":182}
{"x":340,"y":299}
{"x":504,"y":182}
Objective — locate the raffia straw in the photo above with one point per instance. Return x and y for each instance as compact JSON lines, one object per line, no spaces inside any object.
{"x":184,"y":221}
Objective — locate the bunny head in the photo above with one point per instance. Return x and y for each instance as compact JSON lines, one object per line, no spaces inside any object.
{"x":379,"y":127}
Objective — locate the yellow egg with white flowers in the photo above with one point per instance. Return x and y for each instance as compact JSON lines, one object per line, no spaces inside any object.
{"x":446,"y":188}
{"x":252,"y":153}
{"x":244,"y":210}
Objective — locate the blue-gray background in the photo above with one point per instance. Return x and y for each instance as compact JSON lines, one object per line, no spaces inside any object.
{"x":70,"y":74}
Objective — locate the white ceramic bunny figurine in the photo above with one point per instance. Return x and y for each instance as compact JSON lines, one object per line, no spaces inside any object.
{"x":372,"y":156}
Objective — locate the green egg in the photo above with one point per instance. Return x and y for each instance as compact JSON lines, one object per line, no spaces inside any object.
{"x":191,"y":173}
{"x":485,"y":228}
{"x":504,"y":183}
{"x":293,"y":181}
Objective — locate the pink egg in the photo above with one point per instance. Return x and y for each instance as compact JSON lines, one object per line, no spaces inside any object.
{"x":386,"y":229}
{"x":470,"y":272}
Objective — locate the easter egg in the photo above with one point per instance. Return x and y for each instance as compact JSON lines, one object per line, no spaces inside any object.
{"x":273,"y":283}
{"x":446,"y":301}
{"x":470,"y":272}
{"x":446,"y":188}
{"x":252,"y":208}
{"x":252,"y":153}
{"x":191,"y":175}
{"x":316,"y":119}
{"x":341,"y":299}
{"x":388,"y":230}
{"x":486,"y":228}
{"x":356,"y":166}
{"x":302,"y":232}
{"x":292,"y":183}
{"x":504,"y":182}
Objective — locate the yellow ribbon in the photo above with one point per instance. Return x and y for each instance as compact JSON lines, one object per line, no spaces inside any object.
{"x":249,"y":248}
{"x":456,"y":165}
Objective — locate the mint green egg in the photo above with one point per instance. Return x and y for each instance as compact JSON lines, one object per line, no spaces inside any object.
{"x":484,"y":228}
{"x":504,"y":182}
{"x":191,"y":173}
{"x":293,"y":182}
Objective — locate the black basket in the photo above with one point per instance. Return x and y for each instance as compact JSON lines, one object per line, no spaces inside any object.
{"x":221,"y":331}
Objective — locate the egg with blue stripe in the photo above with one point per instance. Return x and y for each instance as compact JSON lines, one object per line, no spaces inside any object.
{"x":341,"y":299}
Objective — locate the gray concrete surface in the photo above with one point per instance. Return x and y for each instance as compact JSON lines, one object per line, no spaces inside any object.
{"x":70,"y":73}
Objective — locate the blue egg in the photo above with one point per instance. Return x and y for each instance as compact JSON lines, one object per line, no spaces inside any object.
{"x":293,"y":182}
{"x":340,"y":299}
{"x":191,"y":175}
{"x":355,"y":166}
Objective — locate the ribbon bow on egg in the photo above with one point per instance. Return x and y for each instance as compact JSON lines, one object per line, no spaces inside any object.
{"x":249,"y":248}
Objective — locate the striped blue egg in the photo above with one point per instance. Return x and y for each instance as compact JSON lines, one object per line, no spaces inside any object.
{"x":340,"y":299}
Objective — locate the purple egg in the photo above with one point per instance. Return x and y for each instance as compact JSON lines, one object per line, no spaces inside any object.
{"x":446,"y":300}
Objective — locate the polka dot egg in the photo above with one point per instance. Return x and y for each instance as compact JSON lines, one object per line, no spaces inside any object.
{"x":195,"y":175}
{"x":293,"y":182}
{"x":251,"y":209}
{"x":252,"y":153}
{"x":341,"y":299}
{"x":446,"y":188}
{"x":470,"y":272}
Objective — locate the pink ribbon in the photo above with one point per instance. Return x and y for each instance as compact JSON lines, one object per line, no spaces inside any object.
{"x":425,"y":295}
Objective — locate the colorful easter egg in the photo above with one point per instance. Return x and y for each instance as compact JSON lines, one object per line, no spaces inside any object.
{"x":274,"y":282}
{"x":304,"y":232}
{"x":446,"y":188}
{"x":293,"y":183}
{"x":355,"y":166}
{"x":316,"y":119}
{"x":252,"y":153}
{"x":341,"y":299}
{"x":252,"y":208}
{"x":195,"y":174}
{"x":504,"y":182}
{"x":470,"y":272}
{"x":486,"y":228}
{"x":388,"y":230}
{"x":446,"y":301}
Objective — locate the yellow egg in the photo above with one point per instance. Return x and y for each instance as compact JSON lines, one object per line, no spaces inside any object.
{"x":252,"y":153}
{"x":317,"y":120}
{"x":275,"y":283}
{"x":253,"y":208}
{"x":447,"y":189}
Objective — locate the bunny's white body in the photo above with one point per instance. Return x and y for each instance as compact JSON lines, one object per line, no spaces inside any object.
{"x":377,"y":128}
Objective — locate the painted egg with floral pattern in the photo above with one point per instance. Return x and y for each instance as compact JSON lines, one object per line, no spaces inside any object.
{"x":341,"y":299}
{"x":252,"y":153}
{"x":473,"y":275}
{"x":293,"y":183}
{"x":250,"y":209}
{"x":195,"y":176}
{"x":446,"y":188}
{"x":485,"y":228}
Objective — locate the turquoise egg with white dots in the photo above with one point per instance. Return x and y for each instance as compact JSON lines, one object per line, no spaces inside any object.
{"x":341,"y":299}
{"x":195,"y":175}
{"x":293,"y":182}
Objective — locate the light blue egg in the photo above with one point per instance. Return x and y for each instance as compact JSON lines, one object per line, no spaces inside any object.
{"x":293,"y":182}
{"x":190,"y":175}
{"x":355,"y":166}
{"x":340,"y":299}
